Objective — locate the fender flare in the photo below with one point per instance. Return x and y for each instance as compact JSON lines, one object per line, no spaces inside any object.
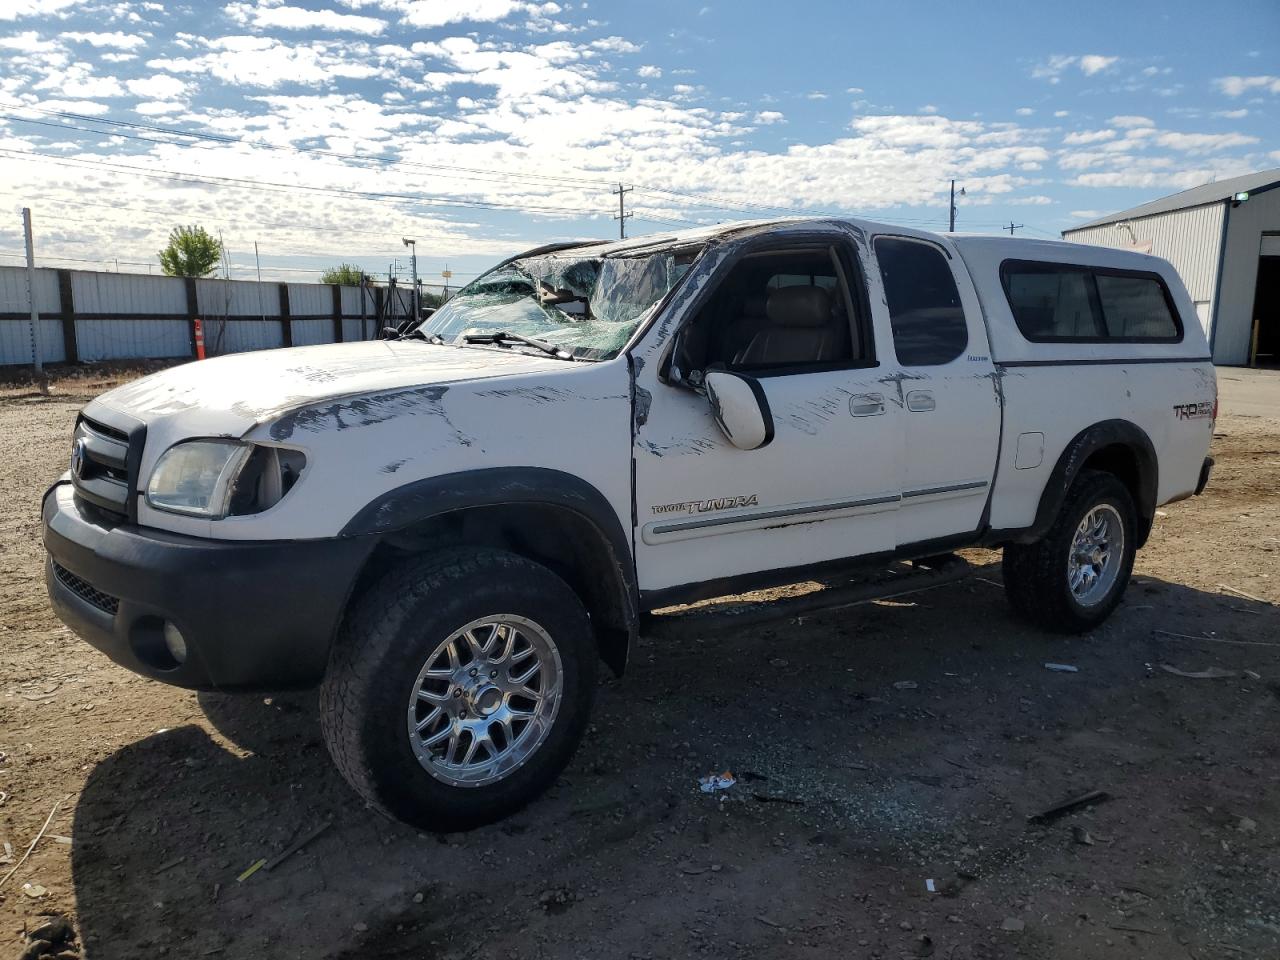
{"x":1107,"y":433}
{"x":424,"y":499}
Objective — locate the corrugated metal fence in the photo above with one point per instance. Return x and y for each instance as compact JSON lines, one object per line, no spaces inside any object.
{"x":86,"y":315}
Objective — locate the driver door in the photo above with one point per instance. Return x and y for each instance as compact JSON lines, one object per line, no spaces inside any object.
{"x":791,"y":314}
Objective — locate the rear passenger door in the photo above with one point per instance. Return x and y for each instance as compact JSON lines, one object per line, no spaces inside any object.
{"x":944,"y":388}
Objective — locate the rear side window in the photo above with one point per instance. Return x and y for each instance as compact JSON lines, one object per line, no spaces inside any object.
{"x":928,"y":322}
{"x":1135,"y":308}
{"x":1075,"y":304}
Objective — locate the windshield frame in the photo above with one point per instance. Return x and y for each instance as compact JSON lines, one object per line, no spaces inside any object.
{"x":566,"y":250}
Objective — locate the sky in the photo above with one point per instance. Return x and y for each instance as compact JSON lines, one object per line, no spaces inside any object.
{"x":326,"y":132}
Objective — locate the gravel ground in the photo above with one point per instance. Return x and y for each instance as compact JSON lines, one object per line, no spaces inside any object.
{"x":853,"y":794}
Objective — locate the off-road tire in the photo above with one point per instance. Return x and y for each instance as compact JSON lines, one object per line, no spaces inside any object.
{"x":383,"y":644}
{"x":1035,"y":574}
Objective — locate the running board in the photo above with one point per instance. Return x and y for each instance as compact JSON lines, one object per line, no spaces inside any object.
{"x":726,"y":613}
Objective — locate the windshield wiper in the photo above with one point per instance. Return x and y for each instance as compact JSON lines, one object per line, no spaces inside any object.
{"x":503,"y":336}
{"x":417,"y":333}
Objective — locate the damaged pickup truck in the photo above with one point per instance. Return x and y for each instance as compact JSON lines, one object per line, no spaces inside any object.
{"x":449,"y":528}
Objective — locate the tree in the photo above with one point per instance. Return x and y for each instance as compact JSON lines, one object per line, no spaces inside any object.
{"x":346,"y":274}
{"x":192,"y":252}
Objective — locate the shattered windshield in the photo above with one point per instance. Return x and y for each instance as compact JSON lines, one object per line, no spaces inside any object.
{"x":587,"y":306}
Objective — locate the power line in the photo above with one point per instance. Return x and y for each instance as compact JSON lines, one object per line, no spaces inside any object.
{"x":276,"y":186}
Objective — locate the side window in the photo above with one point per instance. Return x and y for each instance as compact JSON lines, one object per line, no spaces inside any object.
{"x":1050,"y":303}
{"x":775,"y":311}
{"x":1135,"y":308}
{"x":929,"y":326}
{"x":1061,"y":302}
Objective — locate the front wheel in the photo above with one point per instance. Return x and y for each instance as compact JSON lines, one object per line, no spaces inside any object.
{"x":1070,"y":580}
{"x":459,"y":688}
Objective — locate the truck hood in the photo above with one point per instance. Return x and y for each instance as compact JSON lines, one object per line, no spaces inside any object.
{"x":229,"y":396}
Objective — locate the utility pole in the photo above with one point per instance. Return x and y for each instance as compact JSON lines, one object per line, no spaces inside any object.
{"x":413,"y":250}
{"x":622,"y":214}
{"x":952,"y":228}
{"x":36,"y":347}
{"x":258,"y":264}
{"x":1012,"y":227}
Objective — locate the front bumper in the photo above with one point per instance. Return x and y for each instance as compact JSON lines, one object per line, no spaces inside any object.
{"x":254,"y":614}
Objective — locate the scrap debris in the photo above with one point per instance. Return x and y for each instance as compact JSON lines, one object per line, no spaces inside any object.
{"x":715,"y":782}
{"x":1069,"y":806}
{"x":1209,"y":673}
{"x":48,"y":820}
{"x":294,"y":847}
{"x":1061,"y":668}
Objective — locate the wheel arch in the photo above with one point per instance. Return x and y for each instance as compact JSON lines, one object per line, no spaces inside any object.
{"x":544,"y":515}
{"x":1118,"y":447}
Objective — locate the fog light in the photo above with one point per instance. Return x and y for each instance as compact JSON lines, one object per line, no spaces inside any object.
{"x":174,"y":642}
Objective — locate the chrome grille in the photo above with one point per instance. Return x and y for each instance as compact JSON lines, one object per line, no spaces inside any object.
{"x":100,"y":465}
{"x":85,"y":590}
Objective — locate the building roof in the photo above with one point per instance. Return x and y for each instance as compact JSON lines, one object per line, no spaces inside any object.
{"x":1214,"y":192}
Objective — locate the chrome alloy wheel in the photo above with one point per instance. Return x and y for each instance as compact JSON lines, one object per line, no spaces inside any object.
{"x":1097,"y":552}
{"x":485,"y":700}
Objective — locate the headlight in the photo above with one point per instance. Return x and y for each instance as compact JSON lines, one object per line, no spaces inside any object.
{"x":217,"y":478}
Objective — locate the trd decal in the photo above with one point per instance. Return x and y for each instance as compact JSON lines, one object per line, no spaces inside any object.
{"x":706,"y":506}
{"x":1193,"y":411}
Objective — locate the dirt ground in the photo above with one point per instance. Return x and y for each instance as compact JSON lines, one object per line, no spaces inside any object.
{"x":853,"y":793}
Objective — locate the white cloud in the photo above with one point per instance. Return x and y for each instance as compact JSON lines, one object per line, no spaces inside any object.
{"x":116,"y":40}
{"x":614,"y":45}
{"x":815,"y":95}
{"x":158,"y":108}
{"x":1088,"y":136}
{"x":1131,"y":121}
{"x":267,"y":62}
{"x":1088,"y":64}
{"x":768,"y":117}
{"x":1024,"y":111}
{"x":439,"y":13}
{"x":1232,"y":114}
{"x":118,"y":57}
{"x":266,"y":15}
{"x":1092,"y":63}
{"x":158,"y":87}
{"x":650,"y":72}
{"x":77,"y":81}
{"x":1061,"y":113}
{"x":1235,"y":86}
{"x":13,"y":9}
{"x":1203,"y":142}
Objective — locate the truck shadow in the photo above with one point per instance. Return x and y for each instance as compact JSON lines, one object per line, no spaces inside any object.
{"x":166,"y":825}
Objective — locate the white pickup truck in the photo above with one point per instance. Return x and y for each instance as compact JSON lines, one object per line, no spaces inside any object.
{"x":449,"y":527}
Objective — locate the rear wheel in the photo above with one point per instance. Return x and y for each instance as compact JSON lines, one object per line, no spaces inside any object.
{"x":1070,"y":580}
{"x":459,"y":688}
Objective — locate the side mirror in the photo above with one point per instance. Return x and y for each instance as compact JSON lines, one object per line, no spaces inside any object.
{"x":741,"y":409}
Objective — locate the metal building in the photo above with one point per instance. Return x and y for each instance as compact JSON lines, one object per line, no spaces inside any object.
{"x":1223,"y":238}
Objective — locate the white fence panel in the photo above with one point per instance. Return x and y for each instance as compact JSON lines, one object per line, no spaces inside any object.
{"x":307,"y":332}
{"x":242,"y":335}
{"x":310,"y":299}
{"x":127,"y":293}
{"x":237,"y":298}
{"x":132,"y":339}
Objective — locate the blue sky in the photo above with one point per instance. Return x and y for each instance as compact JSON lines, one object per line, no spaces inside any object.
{"x":329,"y":130}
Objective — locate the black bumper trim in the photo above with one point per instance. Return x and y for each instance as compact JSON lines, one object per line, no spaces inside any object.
{"x":254,"y":614}
{"x":1205,"y":470}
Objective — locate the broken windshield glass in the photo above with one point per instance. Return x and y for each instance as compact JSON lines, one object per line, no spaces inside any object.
{"x":588,"y":306}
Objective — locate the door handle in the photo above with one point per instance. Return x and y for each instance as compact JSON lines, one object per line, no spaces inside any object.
{"x":866,"y":405}
{"x":920,"y":401}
